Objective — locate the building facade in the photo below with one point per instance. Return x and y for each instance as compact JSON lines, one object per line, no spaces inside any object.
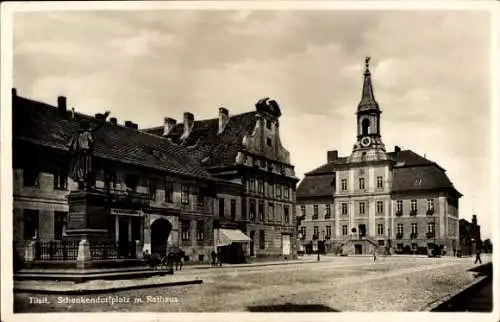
{"x":372,"y":199}
{"x":158,"y":197}
{"x":470,"y":236}
{"x":246,"y":149}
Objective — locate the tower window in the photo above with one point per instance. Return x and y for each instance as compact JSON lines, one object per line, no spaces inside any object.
{"x":365,"y":125}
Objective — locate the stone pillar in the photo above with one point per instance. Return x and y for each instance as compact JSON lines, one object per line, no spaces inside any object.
{"x":147,"y":235}
{"x":30,"y":252}
{"x":138,"y":250}
{"x":117,"y":228}
{"x":129,"y":229}
{"x":84,"y":259}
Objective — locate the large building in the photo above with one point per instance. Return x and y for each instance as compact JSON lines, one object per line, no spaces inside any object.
{"x":204,"y":185}
{"x":246,"y":149}
{"x":397,"y":201}
{"x":470,"y":236}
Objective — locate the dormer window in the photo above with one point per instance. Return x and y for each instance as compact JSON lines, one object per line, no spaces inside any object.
{"x":268,"y":124}
{"x":269,"y":142}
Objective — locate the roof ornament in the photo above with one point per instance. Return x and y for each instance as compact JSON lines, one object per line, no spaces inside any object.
{"x":269,"y":106}
{"x":367,"y":62}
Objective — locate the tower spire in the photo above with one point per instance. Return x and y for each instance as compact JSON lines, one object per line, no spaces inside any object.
{"x":368,"y":101}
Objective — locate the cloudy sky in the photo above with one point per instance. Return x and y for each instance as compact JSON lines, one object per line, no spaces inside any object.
{"x":430,"y":72}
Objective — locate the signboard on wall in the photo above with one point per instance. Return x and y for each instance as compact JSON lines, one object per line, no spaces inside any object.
{"x":126,"y":212}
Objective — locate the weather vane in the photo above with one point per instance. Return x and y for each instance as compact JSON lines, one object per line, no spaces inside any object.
{"x":367,"y":61}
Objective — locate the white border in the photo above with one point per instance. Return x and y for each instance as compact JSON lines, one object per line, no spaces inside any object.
{"x":7,"y":12}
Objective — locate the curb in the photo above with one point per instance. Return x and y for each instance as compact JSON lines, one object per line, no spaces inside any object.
{"x":434,"y":305}
{"x":248,"y":265}
{"x":104,"y":289}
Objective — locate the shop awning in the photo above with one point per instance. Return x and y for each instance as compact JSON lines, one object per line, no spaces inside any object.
{"x":225,"y":237}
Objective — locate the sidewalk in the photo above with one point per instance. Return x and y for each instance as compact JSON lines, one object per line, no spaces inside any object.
{"x":101,"y":286}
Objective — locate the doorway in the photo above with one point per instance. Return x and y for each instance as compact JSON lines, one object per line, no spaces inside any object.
{"x":160,"y":230}
{"x":286,"y":244}
{"x":123,"y":237}
{"x":362,"y":230}
{"x":358,"y":249}
{"x":252,"y":237}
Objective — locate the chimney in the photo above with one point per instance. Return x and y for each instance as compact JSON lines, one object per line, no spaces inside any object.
{"x":223,"y":118}
{"x":397,"y":149}
{"x":99,"y":116}
{"x":188,"y":124}
{"x":61,"y":105}
{"x":72,"y":112}
{"x":168,"y":124}
{"x":474,"y":220}
{"x":332,"y":155}
{"x":113,"y":120}
{"x":129,"y":124}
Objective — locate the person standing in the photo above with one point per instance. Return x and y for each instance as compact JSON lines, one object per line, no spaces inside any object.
{"x":478,"y":257}
{"x":214,"y":258}
{"x":374,"y":254}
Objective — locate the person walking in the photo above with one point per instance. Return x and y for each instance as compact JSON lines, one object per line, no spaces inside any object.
{"x":214,"y":258}
{"x":478,"y":257}
{"x":374,"y":254}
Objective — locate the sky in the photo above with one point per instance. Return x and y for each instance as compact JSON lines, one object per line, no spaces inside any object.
{"x":430,"y":71}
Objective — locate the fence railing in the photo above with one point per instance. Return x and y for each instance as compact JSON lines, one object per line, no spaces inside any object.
{"x":67,"y":250}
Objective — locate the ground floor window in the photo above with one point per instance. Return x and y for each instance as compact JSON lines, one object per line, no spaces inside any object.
{"x":344,"y":230}
{"x":262,"y":239}
{"x":60,"y":220}
{"x":200,"y":230}
{"x":185,"y":227}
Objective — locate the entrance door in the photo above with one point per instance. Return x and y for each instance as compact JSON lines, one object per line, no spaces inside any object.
{"x":123,"y":242}
{"x":362,"y":230}
{"x":252,"y":237}
{"x":160,"y":230}
{"x":285,"y":240}
{"x":358,"y":249}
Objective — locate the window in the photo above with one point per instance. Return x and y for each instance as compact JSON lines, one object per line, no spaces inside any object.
{"x":233,"y":209}
{"x":344,"y":230}
{"x":302,"y":231}
{"x":261,"y":210}
{"x":381,"y":242}
{"x":152,"y":189}
{"x":252,"y":209}
{"x":169,"y":191}
{"x":270,"y":207}
{"x":328,"y":211}
{"x":262,"y":239}
{"x":399,"y":246}
{"x":380,"y":229}
{"x":380,"y":182}
{"x":328,"y":232}
{"x":251,"y":183}
{"x":414,"y":228}
{"x":30,"y":177}
{"x":60,"y":178}
{"x":185,"y":194}
{"x":399,"y":206}
{"x":431,"y":227}
{"x":270,"y":191}
{"x":200,"y":198}
{"x":302,"y":211}
{"x":361,"y":208}
{"x":430,"y":206}
{"x":30,"y":218}
{"x":344,"y":208}
{"x":278,"y":191}
{"x":269,"y":142}
{"x":268,"y":124}
{"x":185,"y":227}
{"x":200,"y":230}
{"x":286,"y":215}
{"x":414,"y":205}
{"x":60,"y":220}
{"x":343,"y":184}
{"x":361,"y":183}
{"x":109,"y":180}
{"x":221,"y":208}
{"x":399,"y":228}
{"x":286,"y":192}
{"x":131,"y":182}
{"x":260,"y":185}
{"x":414,"y":246}
{"x":136,"y":227}
{"x":316,"y":232}
{"x":315,"y":212}
{"x":380,"y":207}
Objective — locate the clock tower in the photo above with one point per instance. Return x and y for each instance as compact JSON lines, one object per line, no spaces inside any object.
{"x":368,"y":146}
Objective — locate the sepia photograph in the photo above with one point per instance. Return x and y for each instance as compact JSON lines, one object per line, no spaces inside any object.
{"x":284,"y":157}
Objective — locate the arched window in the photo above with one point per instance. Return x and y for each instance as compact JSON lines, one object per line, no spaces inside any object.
{"x":365,"y":125}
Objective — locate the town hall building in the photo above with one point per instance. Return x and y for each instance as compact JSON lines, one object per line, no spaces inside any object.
{"x":394,"y":201}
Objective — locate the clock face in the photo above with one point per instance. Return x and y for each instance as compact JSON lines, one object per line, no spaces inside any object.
{"x":366,"y":141}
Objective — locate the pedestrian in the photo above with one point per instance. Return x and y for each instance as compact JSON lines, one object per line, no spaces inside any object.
{"x":214,"y":258}
{"x":374,"y":254}
{"x":219,"y":258}
{"x":478,"y":257}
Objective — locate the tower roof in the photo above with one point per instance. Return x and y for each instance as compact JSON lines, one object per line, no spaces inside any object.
{"x":368,"y":101}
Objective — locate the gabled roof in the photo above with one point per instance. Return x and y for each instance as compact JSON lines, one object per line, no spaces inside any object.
{"x":213,"y":149}
{"x":42,"y":124}
{"x":411,"y":172}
